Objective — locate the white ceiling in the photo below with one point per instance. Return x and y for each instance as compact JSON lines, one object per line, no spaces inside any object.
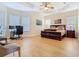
{"x":35,"y":6}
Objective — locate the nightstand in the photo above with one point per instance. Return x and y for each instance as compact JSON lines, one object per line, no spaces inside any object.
{"x":70,"y":33}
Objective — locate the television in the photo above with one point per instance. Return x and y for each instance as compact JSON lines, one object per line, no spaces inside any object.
{"x":11,"y":27}
{"x":19,"y":30}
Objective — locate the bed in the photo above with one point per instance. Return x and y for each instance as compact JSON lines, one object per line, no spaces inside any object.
{"x":55,"y":32}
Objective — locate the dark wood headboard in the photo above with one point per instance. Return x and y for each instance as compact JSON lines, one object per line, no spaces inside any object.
{"x":58,"y":26}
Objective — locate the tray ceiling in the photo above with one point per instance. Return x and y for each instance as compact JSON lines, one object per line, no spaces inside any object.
{"x":35,"y":6}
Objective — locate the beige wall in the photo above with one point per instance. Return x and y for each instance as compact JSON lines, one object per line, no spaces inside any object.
{"x":34,"y":29}
{"x":63,"y":16}
{"x":78,"y":24}
{"x":4,"y":11}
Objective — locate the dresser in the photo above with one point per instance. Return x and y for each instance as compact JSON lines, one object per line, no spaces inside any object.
{"x":70,"y":33}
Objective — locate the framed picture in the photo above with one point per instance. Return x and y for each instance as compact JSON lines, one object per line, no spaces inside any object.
{"x":38,"y":22}
{"x":58,"y":21}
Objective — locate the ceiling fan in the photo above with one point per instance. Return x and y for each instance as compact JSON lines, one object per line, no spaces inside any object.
{"x":46,"y":6}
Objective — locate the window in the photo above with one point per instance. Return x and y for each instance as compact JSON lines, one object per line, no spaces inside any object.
{"x":78,"y":22}
{"x":26,"y":23}
{"x":71,"y":23}
{"x":14,"y":20}
{"x":1,"y":23}
{"x":47,"y":23}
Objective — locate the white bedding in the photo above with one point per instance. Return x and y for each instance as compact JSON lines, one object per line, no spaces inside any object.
{"x":62,"y":32}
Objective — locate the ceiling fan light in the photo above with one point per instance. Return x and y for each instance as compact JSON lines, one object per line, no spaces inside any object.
{"x":46,"y":8}
{"x":49,"y":5}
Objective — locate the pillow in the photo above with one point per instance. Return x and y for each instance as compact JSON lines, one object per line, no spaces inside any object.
{"x":54,"y":28}
{"x":60,"y":28}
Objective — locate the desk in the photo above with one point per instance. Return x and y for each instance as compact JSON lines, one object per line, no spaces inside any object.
{"x":10,"y":48}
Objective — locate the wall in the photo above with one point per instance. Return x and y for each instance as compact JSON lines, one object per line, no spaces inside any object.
{"x":4,"y":11}
{"x":78,"y":24}
{"x":34,"y":29}
{"x":63,"y":16}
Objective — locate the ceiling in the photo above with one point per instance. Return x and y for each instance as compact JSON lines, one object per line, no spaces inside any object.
{"x":35,"y":6}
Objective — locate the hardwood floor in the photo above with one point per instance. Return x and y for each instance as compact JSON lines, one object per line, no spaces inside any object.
{"x":43,"y":47}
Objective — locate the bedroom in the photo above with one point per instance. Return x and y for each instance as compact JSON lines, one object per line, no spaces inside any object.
{"x":62,"y":21}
